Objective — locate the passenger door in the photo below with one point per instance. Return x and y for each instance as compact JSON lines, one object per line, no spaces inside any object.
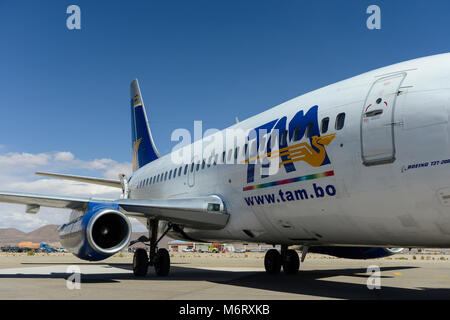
{"x":377,"y":121}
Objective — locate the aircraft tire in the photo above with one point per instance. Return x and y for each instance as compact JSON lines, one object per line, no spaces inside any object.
{"x":272,"y":261}
{"x":140,"y":263}
{"x":162,"y":263}
{"x":291,"y":262}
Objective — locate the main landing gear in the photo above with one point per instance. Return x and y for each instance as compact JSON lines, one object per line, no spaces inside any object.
{"x":159,"y":258}
{"x":287,"y":258}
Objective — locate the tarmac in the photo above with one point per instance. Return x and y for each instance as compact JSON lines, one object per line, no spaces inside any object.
{"x":203,"y":276}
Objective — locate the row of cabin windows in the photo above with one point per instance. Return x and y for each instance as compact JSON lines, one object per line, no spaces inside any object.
{"x":227,"y":156}
{"x":309,"y":130}
{"x":171,"y":174}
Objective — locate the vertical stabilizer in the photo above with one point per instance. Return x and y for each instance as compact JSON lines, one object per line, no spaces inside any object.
{"x":144,"y":149}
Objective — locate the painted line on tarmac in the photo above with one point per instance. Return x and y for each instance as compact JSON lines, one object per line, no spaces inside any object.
{"x":231,"y":269}
{"x":103,"y":269}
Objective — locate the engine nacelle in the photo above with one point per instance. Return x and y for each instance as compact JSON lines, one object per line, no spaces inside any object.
{"x":96,"y":234}
{"x":356,"y":252}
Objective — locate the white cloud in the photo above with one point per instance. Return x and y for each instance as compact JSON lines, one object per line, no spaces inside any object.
{"x":64,"y":156}
{"x":97,"y":164}
{"x":24,"y":160}
{"x":113,"y":171}
{"x":17,"y":174}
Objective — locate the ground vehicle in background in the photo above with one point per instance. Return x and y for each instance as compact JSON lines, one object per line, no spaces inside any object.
{"x":44,"y":247}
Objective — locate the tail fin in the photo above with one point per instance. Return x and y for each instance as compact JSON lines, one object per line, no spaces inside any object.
{"x":144,"y":149}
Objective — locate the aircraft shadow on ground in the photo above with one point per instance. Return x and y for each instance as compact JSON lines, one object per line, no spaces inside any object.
{"x":309,"y":283}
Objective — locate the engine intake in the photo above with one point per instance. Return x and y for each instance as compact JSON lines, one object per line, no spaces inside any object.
{"x":108,"y":231}
{"x":97,"y":233}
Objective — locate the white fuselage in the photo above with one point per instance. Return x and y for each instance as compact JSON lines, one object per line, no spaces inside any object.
{"x":385,"y":180}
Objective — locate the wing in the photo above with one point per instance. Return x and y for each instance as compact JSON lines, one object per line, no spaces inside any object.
{"x":30,"y":199}
{"x":207,"y":212}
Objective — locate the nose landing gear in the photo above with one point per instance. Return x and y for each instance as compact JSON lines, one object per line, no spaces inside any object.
{"x":287,"y":258}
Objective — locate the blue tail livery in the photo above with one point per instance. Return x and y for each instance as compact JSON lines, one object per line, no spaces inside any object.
{"x":144,"y":149}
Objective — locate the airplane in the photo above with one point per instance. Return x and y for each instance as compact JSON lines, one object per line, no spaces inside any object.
{"x":358,"y":169}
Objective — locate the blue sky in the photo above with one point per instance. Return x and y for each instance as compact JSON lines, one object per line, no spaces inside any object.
{"x":211,"y":60}
{"x":64,"y":90}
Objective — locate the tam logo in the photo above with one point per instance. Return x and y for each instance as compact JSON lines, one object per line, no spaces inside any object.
{"x":287,"y":136}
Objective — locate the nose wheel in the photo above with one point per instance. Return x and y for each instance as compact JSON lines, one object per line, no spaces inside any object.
{"x":289,"y":259}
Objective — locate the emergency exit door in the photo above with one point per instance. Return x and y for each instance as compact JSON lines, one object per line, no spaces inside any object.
{"x":378,"y":122}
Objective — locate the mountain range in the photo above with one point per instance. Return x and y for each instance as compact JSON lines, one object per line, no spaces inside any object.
{"x":49,"y":234}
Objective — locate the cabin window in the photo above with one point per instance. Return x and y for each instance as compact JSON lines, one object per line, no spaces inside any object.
{"x":215,"y":159}
{"x":236,"y":152}
{"x":283,"y":139}
{"x":185,"y":169}
{"x":245,"y":150}
{"x":203,"y":164}
{"x":197,"y":166}
{"x":296,"y":136}
{"x":230,"y":154}
{"x":209,"y":161}
{"x":170,"y":174}
{"x":325,"y":122}
{"x":192,"y":167}
{"x":223,"y":157}
{"x":309,"y":130}
{"x":340,"y":120}
{"x":252,"y":151}
{"x":179,"y":170}
{"x":262,"y":144}
{"x":151,"y":179}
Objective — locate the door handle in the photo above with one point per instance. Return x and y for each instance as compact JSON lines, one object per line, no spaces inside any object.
{"x":397,"y":124}
{"x":373,"y":113}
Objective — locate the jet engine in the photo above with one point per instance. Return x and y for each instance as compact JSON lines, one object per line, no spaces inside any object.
{"x":98,"y":233}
